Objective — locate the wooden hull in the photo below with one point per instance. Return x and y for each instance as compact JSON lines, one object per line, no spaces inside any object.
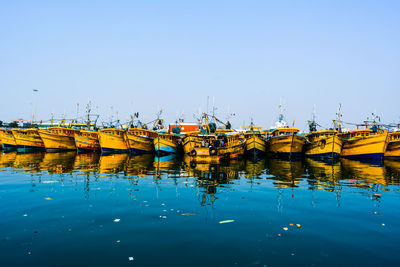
{"x":112,"y":143}
{"x":140,"y":144}
{"x":393,"y":149}
{"x":371,"y":147}
{"x":165,"y":144}
{"x":330,"y":147}
{"x":27,"y":142}
{"x":255,"y":144}
{"x":8,"y":140}
{"x":290,"y":145}
{"x":206,"y":154}
{"x":55,"y":142}
{"x":87,"y":143}
{"x":190,"y":142}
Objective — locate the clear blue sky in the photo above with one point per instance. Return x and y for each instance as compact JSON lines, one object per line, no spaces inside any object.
{"x":141,"y":55}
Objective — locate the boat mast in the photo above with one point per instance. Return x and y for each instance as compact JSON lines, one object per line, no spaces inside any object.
{"x":337,"y":124}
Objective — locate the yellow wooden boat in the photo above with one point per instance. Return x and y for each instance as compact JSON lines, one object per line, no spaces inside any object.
{"x":393,"y":148}
{"x":167,"y":143}
{"x":364,"y":143}
{"x":285,"y":141}
{"x":58,"y":138}
{"x":87,"y":140}
{"x":140,"y":140}
{"x":255,"y":143}
{"x":219,"y":147}
{"x":113,"y":140}
{"x":324,"y":143}
{"x":28,"y":139}
{"x":7,"y":140}
{"x":191,"y":141}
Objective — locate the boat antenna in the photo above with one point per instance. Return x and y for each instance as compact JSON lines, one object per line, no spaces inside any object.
{"x":338,"y":122}
{"x":35,"y":91}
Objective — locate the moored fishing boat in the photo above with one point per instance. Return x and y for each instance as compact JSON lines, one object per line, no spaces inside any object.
{"x":167,"y":143}
{"x":255,"y":140}
{"x":364,"y":143}
{"x":285,"y":141}
{"x":216,"y":147}
{"x":58,"y":138}
{"x":323,"y":143}
{"x":28,"y":139}
{"x":7,"y":140}
{"x":87,"y":140}
{"x":113,"y":140}
{"x":393,"y":147}
{"x":140,"y":140}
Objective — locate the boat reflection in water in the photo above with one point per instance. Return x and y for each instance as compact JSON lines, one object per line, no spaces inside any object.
{"x":286,"y":173}
{"x":29,"y":162}
{"x":254,"y":167}
{"x":324,"y":175}
{"x":112,"y":163}
{"x":364,"y":174}
{"x":87,"y":163}
{"x":313,"y":173}
{"x":139,"y":165}
{"x":7,"y":159}
{"x":58,"y":162}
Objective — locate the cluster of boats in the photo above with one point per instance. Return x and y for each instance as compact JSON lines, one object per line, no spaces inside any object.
{"x":203,"y":141}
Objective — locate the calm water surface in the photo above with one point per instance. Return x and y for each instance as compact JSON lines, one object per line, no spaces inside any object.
{"x":64,"y":209}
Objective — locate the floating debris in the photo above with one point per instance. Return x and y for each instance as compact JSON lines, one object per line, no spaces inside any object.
{"x":49,"y":182}
{"x":131,"y":258}
{"x":298,"y":225}
{"x":118,"y":241}
{"x":285,"y":228}
{"x":117,"y":220}
{"x":383,"y":224}
{"x":25,"y":215}
{"x":377,"y":212}
{"x":190,"y":214}
{"x":48,"y":198}
{"x":227,"y":221}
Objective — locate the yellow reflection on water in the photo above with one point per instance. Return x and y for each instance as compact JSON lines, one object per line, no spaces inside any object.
{"x":29,"y":162}
{"x":325,"y":175}
{"x":58,"y":162}
{"x":7,"y":159}
{"x":287,"y":173}
{"x":112,"y":164}
{"x":87,"y":162}
{"x":139,"y":165}
{"x":363,"y":175}
{"x":254,"y":169}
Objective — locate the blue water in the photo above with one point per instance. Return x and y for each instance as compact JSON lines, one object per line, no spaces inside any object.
{"x":59,"y":209}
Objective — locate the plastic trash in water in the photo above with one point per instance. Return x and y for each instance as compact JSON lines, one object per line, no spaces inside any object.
{"x":131,"y":258}
{"x":285,"y":228}
{"x":227,"y":221}
{"x":47,"y":198}
{"x":117,"y":220}
{"x":298,"y":225}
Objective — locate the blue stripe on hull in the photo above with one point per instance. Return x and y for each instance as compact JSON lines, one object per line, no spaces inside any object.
{"x":165,"y":149}
{"x":378,"y":156}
